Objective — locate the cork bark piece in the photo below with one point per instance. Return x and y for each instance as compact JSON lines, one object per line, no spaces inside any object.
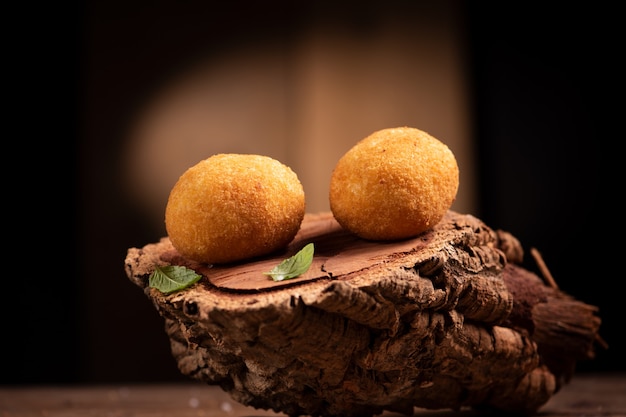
{"x":446,"y":320}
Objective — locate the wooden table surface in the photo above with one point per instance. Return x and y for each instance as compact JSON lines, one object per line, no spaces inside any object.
{"x":586,"y":395}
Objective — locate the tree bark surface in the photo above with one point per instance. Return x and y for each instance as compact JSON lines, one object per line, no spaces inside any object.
{"x":447,"y":320}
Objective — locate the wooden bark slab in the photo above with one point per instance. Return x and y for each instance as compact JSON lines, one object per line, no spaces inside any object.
{"x":446,"y":320}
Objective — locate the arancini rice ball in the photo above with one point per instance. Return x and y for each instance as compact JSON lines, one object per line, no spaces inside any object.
{"x":394,"y":184}
{"x":231,"y":207}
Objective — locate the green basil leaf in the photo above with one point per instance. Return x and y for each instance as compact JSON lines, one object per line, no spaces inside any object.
{"x":292,"y":267}
{"x":172,"y":278}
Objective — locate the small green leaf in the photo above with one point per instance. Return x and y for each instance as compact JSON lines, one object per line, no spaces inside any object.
{"x":172,"y":278}
{"x":292,"y":267}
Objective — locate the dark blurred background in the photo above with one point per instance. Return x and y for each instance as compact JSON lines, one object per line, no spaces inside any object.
{"x":527,"y":94}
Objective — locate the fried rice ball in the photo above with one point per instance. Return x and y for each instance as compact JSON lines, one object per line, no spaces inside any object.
{"x":232,"y":207}
{"x":394,"y":184}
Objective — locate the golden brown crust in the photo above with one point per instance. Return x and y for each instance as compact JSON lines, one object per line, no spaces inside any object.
{"x":231,"y":207}
{"x":394,"y":184}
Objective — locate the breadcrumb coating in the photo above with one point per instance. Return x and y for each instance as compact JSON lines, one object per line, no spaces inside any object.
{"x":394,"y":184}
{"x":231,"y":207}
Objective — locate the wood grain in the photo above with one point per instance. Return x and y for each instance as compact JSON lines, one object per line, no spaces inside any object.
{"x":446,"y":320}
{"x":589,"y":395}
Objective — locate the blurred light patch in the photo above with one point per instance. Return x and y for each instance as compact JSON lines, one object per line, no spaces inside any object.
{"x":305,"y":101}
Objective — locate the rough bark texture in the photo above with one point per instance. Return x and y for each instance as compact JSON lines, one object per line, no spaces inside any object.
{"x":443,"y":321}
